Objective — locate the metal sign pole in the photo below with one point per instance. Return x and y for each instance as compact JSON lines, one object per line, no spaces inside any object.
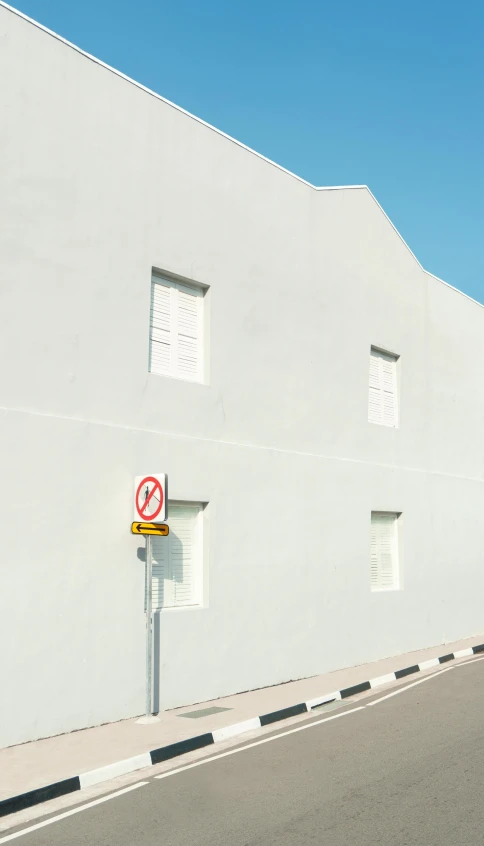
{"x":149,"y":631}
{"x":150,"y":504}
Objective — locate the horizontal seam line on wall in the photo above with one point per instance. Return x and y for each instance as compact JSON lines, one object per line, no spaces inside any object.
{"x":240,"y":445}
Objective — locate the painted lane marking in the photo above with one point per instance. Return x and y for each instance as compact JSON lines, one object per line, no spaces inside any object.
{"x":408,"y":686}
{"x":258,"y":743}
{"x":300,"y":728}
{"x":77,"y":810}
{"x":465,"y":663}
{"x":71,"y":812}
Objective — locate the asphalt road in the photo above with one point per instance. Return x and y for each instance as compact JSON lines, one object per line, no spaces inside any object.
{"x":408,"y":770}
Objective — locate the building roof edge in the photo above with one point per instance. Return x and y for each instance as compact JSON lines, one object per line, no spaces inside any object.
{"x":225,"y":135}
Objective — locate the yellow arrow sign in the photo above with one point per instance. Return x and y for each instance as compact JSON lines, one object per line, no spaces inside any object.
{"x":149,"y":529}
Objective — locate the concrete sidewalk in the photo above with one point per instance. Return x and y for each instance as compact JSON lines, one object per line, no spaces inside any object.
{"x":33,"y":765}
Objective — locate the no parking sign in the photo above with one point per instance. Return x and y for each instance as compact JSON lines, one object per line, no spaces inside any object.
{"x":150,"y":495}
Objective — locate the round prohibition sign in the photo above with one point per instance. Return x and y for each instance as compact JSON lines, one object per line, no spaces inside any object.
{"x":149,"y":499}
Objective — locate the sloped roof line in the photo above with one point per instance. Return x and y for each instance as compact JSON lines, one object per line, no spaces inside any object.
{"x":457,"y":290}
{"x":402,"y":239}
{"x":163,"y":99}
{"x":228,"y":137}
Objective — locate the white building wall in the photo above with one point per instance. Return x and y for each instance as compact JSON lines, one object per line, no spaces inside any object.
{"x":99,"y":182}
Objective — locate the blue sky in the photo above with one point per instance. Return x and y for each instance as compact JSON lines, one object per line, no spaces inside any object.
{"x":388,"y":94}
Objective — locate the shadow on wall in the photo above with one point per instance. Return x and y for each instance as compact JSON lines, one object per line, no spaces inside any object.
{"x":177,"y":577}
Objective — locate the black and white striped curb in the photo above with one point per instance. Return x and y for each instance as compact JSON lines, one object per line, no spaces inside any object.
{"x":191,"y":744}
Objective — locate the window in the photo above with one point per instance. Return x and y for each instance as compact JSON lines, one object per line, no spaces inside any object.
{"x":382,"y":404}
{"x":176,"y":329}
{"x":177,"y":559}
{"x":384,"y":551}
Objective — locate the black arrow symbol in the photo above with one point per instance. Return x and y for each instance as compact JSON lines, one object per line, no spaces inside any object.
{"x":151,"y":528}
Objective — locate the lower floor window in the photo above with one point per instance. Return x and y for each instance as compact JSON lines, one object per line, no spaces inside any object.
{"x":177,"y":559}
{"x":384,"y":551}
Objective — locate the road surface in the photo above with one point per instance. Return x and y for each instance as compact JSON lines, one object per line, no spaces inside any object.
{"x":407,"y":770}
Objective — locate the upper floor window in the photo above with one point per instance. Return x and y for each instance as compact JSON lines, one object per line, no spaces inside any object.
{"x":382,"y":402}
{"x":176,"y":329}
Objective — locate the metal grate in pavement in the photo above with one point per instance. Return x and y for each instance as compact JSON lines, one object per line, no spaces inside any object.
{"x":204,"y":712}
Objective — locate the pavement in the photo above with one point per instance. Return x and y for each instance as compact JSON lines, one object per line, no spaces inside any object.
{"x":33,"y":765}
{"x":403,"y":766}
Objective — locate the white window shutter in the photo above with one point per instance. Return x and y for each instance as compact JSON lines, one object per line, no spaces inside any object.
{"x":389,"y":390}
{"x":161,"y":328}
{"x":375,"y":577}
{"x":188,"y":340}
{"x":374,"y":403}
{"x":384,"y":551}
{"x":183,"y":534}
{"x":177,"y":559}
{"x":176,"y":329}
{"x":382,"y":400}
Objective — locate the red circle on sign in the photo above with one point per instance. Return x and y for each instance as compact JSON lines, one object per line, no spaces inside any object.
{"x":156,"y":487}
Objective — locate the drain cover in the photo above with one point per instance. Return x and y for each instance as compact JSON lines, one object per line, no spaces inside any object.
{"x":330,"y":706}
{"x":204,"y":712}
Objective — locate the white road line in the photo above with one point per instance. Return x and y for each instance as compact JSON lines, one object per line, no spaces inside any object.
{"x":299,"y":728}
{"x":77,"y":810}
{"x":258,"y":743}
{"x":465,"y":663}
{"x":408,"y":686}
{"x":71,"y":812}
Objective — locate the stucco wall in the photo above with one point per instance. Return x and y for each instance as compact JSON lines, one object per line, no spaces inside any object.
{"x":100,"y":182}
